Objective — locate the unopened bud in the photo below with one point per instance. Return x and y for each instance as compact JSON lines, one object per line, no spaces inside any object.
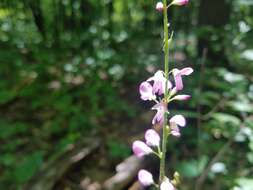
{"x":176,"y":175}
{"x":159,"y":6}
{"x":182,"y":97}
{"x":180,"y":2}
{"x":176,"y":180}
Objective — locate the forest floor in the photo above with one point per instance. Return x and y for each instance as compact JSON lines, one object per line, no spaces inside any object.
{"x":93,"y":171}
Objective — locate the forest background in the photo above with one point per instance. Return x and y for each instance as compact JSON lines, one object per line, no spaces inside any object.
{"x":69,"y":77}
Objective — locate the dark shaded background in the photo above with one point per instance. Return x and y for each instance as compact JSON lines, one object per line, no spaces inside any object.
{"x":69,"y":76}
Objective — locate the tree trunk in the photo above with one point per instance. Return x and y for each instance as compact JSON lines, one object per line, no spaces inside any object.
{"x":38,"y":16}
{"x":86,"y":10}
{"x":57,"y":22}
{"x":214,"y":14}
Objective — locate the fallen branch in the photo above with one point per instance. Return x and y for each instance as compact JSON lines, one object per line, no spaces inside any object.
{"x":56,"y":167}
{"x":126,"y":171}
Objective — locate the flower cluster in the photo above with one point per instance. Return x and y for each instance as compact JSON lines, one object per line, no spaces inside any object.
{"x":153,"y":89}
{"x":156,"y":93}
{"x":162,"y":91}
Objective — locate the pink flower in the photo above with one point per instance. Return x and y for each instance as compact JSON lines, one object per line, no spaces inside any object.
{"x":180,"y":2}
{"x":178,"y":76}
{"x":159,"y":6}
{"x":159,"y":83}
{"x":152,"y":138}
{"x":140,"y":149}
{"x":159,"y":116}
{"x":166,"y":185}
{"x":175,"y":121}
{"x":145,"y":178}
{"x":146,"y":91}
{"x":175,"y":131}
{"x":182,"y":97}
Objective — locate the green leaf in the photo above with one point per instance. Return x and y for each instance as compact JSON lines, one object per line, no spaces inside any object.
{"x":192,"y":168}
{"x":225,"y":118}
{"x":28,"y":167}
{"x":245,"y":183}
{"x":118,"y":149}
{"x":241,"y":106}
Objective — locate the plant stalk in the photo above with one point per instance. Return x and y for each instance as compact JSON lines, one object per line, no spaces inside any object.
{"x":166,"y":94}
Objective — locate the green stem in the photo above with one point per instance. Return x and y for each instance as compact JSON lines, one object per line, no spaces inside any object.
{"x":166,"y":95}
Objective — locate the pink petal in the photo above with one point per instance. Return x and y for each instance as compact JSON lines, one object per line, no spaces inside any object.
{"x":186,"y":71}
{"x":145,"y":178}
{"x":182,"y":97}
{"x":178,"y":76}
{"x":166,"y":185}
{"x":159,"y":6}
{"x":152,"y":138}
{"x":146,"y":91}
{"x":180,"y":2}
{"x":140,"y":149}
{"x":159,"y":83}
{"x":178,"y":82}
{"x":159,"y":116}
{"x":157,"y":76}
{"x":175,"y":130}
{"x":158,"y":87}
{"x":179,"y":120}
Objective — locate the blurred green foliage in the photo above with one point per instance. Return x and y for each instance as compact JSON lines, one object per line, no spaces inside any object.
{"x":70,"y":69}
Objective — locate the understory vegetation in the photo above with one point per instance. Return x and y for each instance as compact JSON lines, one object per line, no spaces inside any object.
{"x":70,"y":72}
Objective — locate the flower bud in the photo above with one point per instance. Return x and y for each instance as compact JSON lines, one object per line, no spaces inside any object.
{"x":180,"y":2}
{"x":145,"y":178}
{"x":159,"y":6}
{"x":178,"y":120}
{"x":176,"y":180}
{"x":152,"y":138}
{"x":182,"y":97}
{"x":167,"y":185}
{"x":140,"y":149}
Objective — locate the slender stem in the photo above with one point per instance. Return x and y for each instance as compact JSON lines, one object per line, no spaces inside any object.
{"x":166,"y":71}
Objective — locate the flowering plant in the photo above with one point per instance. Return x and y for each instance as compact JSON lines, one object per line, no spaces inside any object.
{"x":162,"y":91}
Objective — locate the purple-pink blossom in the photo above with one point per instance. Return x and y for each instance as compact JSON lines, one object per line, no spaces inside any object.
{"x":159,"y":83}
{"x":145,"y":178}
{"x":159,"y":6}
{"x":140,"y":149}
{"x":178,"y":76}
{"x":152,"y":138}
{"x":166,"y":185}
{"x":159,"y":116}
{"x":175,"y":121}
{"x":182,"y":97}
{"x":180,"y":2}
{"x":146,"y":91}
